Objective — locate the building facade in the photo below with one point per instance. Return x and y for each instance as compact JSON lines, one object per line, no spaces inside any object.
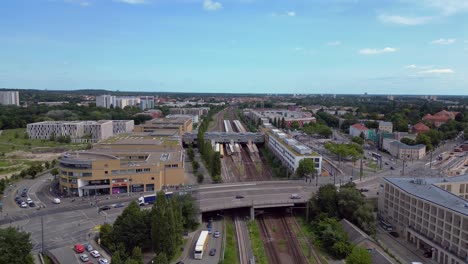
{"x":290,"y":151}
{"x":146,"y":102}
{"x":108,"y":101}
{"x":386,"y":126}
{"x":289,"y":117}
{"x":131,"y":165}
{"x":430,"y":213}
{"x":181,"y":124}
{"x":9,"y":98}
{"x":356,"y":130}
{"x":79,"y":131}
{"x":403,"y":151}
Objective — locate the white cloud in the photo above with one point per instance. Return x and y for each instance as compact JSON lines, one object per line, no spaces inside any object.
{"x":411,"y":66}
{"x":447,"y":7}
{"x":443,"y":41}
{"x":334,"y":43}
{"x":377,"y":51}
{"x":405,"y":20}
{"x":211,"y":5}
{"x":133,"y":2}
{"x":291,"y":13}
{"x":284,"y":14}
{"x":438,"y":71}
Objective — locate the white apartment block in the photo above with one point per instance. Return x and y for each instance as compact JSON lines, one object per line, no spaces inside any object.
{"x":107,"y":101}
{"x":122,"y":126}
{"x":193,"y":117}
{"x":430,"y":213}
{"x":199,"y":111}
{"x":386,"y":126}
{"x":290,"y":151}
{"x":9,"y":98}
{"x":79,"y":131}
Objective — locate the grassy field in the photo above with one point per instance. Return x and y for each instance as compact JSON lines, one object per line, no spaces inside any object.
{"x":16,"y":139}
{"x":257,"y":243}
{"x":231,"y":253}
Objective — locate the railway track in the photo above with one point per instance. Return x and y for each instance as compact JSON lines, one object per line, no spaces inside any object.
{"x":271,"y":252}
{"x":242,"y":235}
{"x":251,"y":172}
{"x":293,"y":244}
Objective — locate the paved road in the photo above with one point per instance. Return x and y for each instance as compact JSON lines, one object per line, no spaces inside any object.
{"x":212,"y":243}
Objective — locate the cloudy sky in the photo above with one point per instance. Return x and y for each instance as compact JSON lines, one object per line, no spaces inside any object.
{"x":239,"y":46}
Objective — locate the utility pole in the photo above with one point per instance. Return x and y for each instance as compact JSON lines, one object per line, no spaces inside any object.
{"x":360,"y":172}
{"x":42,"y":235}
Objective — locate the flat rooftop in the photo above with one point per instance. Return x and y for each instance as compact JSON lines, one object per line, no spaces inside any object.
{"x":427,"y":189}
{"x":300,"y":145}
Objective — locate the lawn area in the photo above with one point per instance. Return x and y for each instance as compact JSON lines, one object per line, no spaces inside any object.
{"x":257,"y":243}
{"x":16,"y":139}
{"x":231,"y":254}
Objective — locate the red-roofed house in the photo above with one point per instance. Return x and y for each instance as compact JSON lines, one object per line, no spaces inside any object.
{"x":440,"y":118}
{"x":419,"y":128}
{"x":356,"y":130}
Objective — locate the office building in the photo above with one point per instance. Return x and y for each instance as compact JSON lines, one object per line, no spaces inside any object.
{"x":290,"y":151}
{"x":431,"y":213}
{"x":402,"y":151}
{"x":9,"y":98}
{"x":127,"y":164}
{"x":386,"y":126}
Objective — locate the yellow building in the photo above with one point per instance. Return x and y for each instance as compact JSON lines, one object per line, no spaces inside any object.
{"x":121,"y":165}
{"x":180,"y":124}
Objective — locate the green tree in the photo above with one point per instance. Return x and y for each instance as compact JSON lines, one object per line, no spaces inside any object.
{"x":116,"y":258}
{"x":349,"y":200}
{"x":359,"y":256}
{"x":15,"y":246}
{"x":130,"y":229}
{"x":54,"y":172}
{"x":327,"y":199}
{"x":295,"y":125}
{"x":358,"y":140}
{"x":137,"y":256}
{"x":408,"y":141}
{"x":160,"y":258}
{"x":190,"y":152}
{"x":105,"y":234}
{"x":306,"y":168}
{"x":47,"y":165}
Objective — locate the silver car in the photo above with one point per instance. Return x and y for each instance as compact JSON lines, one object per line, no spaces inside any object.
{"x":84,"y":257}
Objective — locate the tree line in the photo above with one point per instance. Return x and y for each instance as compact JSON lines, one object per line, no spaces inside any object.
{"x":159,"y":229}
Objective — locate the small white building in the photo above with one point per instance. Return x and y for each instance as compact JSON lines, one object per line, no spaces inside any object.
{"x":356,"y":130}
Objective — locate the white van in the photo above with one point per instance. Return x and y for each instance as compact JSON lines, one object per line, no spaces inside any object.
{"x":56,"y":201}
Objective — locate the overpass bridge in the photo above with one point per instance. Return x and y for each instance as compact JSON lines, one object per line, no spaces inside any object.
{"x":256,"y":195}
{"x":225,"y":137}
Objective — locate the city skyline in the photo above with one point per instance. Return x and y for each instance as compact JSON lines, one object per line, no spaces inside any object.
{"x":236,"y":46}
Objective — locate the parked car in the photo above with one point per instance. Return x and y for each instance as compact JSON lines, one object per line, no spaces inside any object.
{"x":216,"y":234}
{"x":24,"y":205}
{"x":103,"y":261}
{"x":394,"y":234}
{"x":29,"y":200}
{"x":213,"y":252}
{"x":88,"y":247}
{"x":17,"y":198}
{"x":84,"y":257}
{"x":364,"y":190}
{"x":392,"y":168}
{"x":32,"y":204}
{"x":95,"y":253}
{"x":56,"y":200}
{"x":239,"y":196}
{"x":78,"y":248}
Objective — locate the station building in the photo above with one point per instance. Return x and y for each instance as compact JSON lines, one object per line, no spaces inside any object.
{"x":430,"y":213}
{"x":181,"y":124}
{"x":129,"y":163}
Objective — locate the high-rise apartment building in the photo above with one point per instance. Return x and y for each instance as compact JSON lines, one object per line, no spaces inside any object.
{"x":146,"y":102}
{"x":9,"y":98}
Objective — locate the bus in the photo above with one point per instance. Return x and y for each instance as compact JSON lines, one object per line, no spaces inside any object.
{"x":201,"y":244}
{"x":376,"y":155}
{"x":221,"y":150}
{"x":386,"y":226}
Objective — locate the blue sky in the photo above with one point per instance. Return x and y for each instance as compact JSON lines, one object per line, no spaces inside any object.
{"x":236,"y":46}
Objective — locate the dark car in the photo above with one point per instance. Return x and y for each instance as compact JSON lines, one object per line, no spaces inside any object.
{"x":239,"y":196}
{"x":104,"y":208}
{"x":386,"y":163}
{"x":392,"y":168}
{"x":32,"y":204}
{"x":364,"y":190}
{"x":180,"y":262}
{"x":213,"y":252}
{"x":17,"y":198}
{"x":119,"y":205}
{"x":428,"y":254}
{"x":394,"y":234}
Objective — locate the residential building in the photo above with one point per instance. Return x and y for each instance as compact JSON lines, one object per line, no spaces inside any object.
{"x":199,"y":111}
{"x":357,"y":129}
{"x":106,"y":101}
{"x":127,"y":164}
{"x":431,"y":213}
{"x":9,"y":98}
{"x":386,"y":126}
{"x":289,"y":151}
{"x":194,"y":118}
{"x":181,"y":124}
{"x":154,"y":113}
{"x":440,"y":118}
{"x":109,"y":101}
{"x":403,"y":151}
{"x":79,"y":131}
{"x":122,"y":102}
{"x":146,"y":102}
{"x":419,"y":128}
